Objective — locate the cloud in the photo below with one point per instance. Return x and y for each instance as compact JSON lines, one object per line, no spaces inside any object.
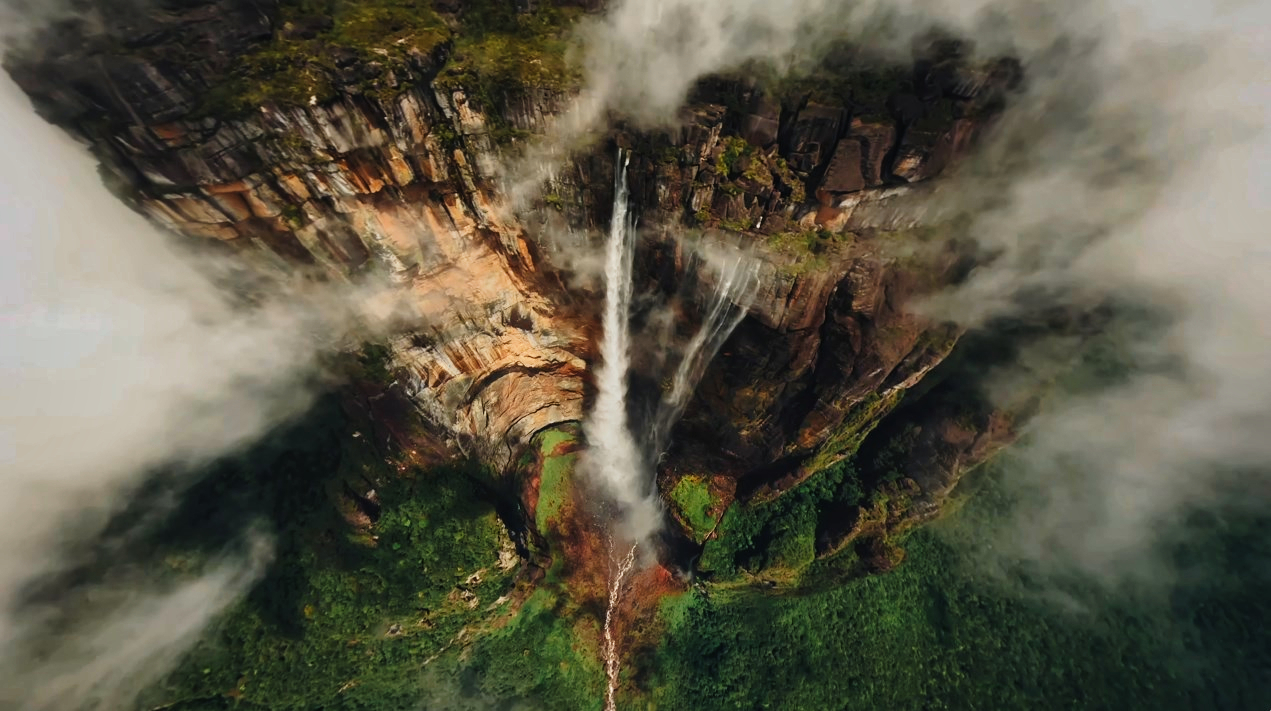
{"x":1131,"y":166}
{"x":643,"y":57}
{"x":101,"y":661}
{"x":1132,"y":170}
{"x":121,"y":353}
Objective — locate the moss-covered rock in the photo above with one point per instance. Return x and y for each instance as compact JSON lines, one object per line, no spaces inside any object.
{"x":695,"y":505}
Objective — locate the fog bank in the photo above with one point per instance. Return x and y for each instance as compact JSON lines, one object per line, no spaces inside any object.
{"x":118,"y":357}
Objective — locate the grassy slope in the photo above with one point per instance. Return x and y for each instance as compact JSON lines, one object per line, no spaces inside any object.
{"x":554,"y":486}
{"x":692,"y":499}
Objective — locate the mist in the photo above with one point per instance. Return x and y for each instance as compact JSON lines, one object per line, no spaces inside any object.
{"x":1132,"y":170}
{"x":1132,"y":166}
{"x":118,"y":358}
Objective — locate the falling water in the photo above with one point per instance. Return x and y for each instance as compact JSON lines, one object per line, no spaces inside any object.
{"x":735,"y":281}
{"x":612,"y":666}
{"x":613,"y":455}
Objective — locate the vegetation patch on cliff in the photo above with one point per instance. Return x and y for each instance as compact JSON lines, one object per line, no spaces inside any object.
{"x":501,"y":50}
{"x":806,"y":251}
{"x":558,"y":456}
{"x":321,"y":45}
{"x":772,"y":542}
{"x":848,"y":436}
{"x":694,"y":505}
{"x":500,"y":53}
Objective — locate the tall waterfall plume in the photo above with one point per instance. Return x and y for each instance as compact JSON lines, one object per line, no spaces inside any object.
{"x":614,"y":457}
{"x":623,"y":469}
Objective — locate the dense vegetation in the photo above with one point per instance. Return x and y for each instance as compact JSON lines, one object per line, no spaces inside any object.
{"x":940,"y":632}
{"x":775,"y":541}
{"x":692,"y":503}
{"x":344,"y":621}
{"x":318,"y":45}
{"x":380,"y":48}
{"x":364,"y":591}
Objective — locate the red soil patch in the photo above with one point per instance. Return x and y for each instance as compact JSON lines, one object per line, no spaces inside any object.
{"x":583,"y":544}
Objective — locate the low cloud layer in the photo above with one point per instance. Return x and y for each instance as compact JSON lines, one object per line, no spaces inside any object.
{"x":118,"y":357}
{"x":1133,"y":165}
{"x":125,"y":634}
{"x":1133,"y":168}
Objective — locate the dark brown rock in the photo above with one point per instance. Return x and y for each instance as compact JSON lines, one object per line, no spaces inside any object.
{"x":921,"y":155}
{"x":876,"y":139}
{"x":924,"y":154}
{"x":813,"y":136}
{"x":844,"y":173}
{"x":759,"y":130}
{"x":136,"y":65}
{"x":760,"y":127}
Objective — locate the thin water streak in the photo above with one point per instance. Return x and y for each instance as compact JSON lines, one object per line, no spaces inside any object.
{"x":612,"y":661}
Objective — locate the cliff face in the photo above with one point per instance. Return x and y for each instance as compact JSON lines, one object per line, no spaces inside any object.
{"x":384,"y":187}
{"x":363,"y":144}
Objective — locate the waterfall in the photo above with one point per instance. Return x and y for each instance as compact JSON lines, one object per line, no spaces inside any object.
{"x":725,"y":310}
{"x":614,"y":456}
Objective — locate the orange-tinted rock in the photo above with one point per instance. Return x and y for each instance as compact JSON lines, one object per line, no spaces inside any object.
{"x":234,"y":205}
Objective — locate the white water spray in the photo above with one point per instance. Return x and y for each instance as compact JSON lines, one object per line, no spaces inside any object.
{"x":613,"y":455}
